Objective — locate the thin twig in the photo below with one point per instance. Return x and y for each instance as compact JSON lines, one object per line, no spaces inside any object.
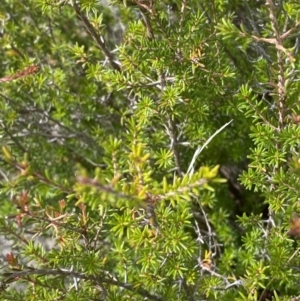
{"x":254,"y":107}
{"x":281,"y":76}
{"x":96,"y":37}
{"x":174,"y":142}
{"x":11,"y":136}
{"x":84,"y":276}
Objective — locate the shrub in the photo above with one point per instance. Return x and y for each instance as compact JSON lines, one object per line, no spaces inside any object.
{"x":124,"y":128}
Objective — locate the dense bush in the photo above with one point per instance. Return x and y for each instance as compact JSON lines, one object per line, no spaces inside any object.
{"x":150,"y":150}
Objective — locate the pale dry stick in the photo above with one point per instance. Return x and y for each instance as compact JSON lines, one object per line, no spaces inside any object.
{"x":278,"y":46}
{"x":75,"y":280}
{"x":183,"y":7}
{"x":146,"y":6}
{"x":199,"y":239}
{"x":210,"y":246}
{"x":274,"y":40}
{"x":210,"y":234}
{"x":287,"y":33}
{"x":213,"y":273}
{"x":264,"y":252}
{"x":3,"y":176}
{"x":198,"y":232}
{"x":294,"y":254}
{"x":200,"y":148}
{"x":224,"y":278}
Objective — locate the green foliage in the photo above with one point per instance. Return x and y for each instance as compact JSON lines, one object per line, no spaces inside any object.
{"x":120,"y":155}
